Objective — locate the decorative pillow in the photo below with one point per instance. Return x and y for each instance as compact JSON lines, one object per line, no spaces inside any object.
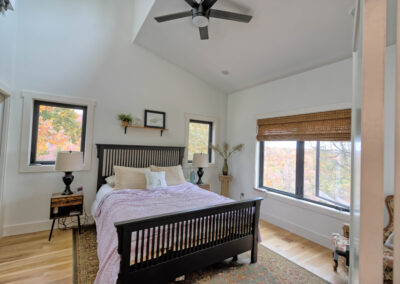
{"x":111,"y":181}
{"x":389,"y":241}
{"x":155,"y":180}
{"x":130,"y":178}
{"x":173,"y":175}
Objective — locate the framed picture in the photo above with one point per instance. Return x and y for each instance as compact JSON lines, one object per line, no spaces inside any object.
{"x":154,"y":119}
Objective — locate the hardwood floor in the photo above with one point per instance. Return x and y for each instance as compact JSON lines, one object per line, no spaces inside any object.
{"x":303,"y":252}
{"x":31,"y":258}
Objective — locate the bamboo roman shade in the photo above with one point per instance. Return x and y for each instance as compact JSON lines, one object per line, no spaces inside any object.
{"x":320,"y":126}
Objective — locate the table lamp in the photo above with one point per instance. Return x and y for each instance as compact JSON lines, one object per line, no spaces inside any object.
{"x":68,"y":162}
{"x":200,"y":161}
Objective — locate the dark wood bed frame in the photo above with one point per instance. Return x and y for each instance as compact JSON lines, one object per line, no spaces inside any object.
{"x":171,"y":245}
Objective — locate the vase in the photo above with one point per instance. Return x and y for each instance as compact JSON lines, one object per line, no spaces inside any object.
{"x":225,"y":168}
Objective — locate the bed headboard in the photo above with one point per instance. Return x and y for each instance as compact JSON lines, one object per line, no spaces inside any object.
{"x":135,"y":156}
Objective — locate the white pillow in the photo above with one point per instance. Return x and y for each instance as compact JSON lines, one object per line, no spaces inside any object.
{"x":111,"y":181}
{"x":155,"y":180}
{"x":389,"y":241}
{"x":173,"y":175}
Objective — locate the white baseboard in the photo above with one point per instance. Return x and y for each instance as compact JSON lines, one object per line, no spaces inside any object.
{"x":32,"y":227}
{"x":298,"y":230}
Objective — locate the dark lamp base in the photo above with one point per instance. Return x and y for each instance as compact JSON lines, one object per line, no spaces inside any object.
{"x":200,"y":173}
{"x":68,"y":178}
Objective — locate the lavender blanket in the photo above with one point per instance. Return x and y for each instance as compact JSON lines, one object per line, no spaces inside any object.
{"x":129,"y":204}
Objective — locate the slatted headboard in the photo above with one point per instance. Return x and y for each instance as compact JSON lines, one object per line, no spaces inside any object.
{"x":135,"y":156}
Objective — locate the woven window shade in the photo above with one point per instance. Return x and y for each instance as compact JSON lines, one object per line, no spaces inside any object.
{"x":321,"y":126}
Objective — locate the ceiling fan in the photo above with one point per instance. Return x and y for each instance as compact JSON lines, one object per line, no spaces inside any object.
{"x":201,"y":13}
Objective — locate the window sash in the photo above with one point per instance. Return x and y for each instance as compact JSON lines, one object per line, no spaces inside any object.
{"x":210,"y":138}
{"x":299,"y":178}
{"x":35,"y":127}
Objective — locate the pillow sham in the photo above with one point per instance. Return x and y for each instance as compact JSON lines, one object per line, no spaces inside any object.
{"x":155,"y":180}
{"x":111,"y":181}
{"x":130,"y":178}
{"x":173,"y":175}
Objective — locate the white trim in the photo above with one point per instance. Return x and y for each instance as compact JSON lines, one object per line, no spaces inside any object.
{"x":320,"y":209}
{"x":188,"y":117}
{"x":305,"y":110}
{"x":3,"y":149}
{"x":298,"y":230}
{"x":28,"y":99}
{"x":32,"y":227}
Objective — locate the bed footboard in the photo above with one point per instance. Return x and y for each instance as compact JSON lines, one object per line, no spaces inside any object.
{"x":160,"y":248}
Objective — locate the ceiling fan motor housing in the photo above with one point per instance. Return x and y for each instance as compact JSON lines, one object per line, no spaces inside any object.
{"x":200,"y":17}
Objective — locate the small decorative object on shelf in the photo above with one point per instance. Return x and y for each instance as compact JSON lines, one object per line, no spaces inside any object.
{"x":126,"y":119}
{"x":225,"y":153}
{"x":200,"y":161}
{"x":68,"y":162}
{"x":62,"y":206}
{"x":154,"y":119}
{"x":225,"y":180}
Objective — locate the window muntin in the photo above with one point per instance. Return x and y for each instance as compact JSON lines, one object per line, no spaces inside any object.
{"x":322,"y":169}
{"x":200,"y":138}
{"x":56,"y":127}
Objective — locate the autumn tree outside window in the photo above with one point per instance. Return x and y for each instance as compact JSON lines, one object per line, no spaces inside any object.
{"x":56,"y":127}
{"x":200,"y":138}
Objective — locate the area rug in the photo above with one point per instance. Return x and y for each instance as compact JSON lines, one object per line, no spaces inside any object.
{"x":271,"y":268}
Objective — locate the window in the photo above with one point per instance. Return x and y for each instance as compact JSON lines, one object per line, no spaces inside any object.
{"x":315,"y":171}
{"x":56,"y":127}
{"x":199,"y":138}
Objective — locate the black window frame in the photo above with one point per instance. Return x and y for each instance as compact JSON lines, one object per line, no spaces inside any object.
{"x":210,"y":136}
{"x":299,"y":193}
{"x":35,"y":127}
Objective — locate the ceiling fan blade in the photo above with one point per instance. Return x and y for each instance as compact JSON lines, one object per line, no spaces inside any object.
{"x":230,"y":16}
{"x":192,"y":3}
{"x":207,"y":4}
{"x":174,"y":16}
{"x":203,"y":33}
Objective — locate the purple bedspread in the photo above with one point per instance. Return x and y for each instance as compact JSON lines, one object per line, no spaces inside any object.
{"x":122,"y":205}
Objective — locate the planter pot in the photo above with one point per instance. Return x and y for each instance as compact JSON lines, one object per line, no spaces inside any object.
{"x":225,"y":168}
{"x":125,"y":123}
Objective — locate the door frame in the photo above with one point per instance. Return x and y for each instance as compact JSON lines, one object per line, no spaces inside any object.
{"x":3,"y":148}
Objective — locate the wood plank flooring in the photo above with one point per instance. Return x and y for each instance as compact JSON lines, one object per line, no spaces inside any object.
{"x":31,"y":258}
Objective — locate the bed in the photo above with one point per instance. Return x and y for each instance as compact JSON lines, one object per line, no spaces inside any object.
{"x":167,"y":232}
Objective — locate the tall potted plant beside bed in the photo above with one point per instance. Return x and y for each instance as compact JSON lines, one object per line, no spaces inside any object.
{"x":225,"y":153}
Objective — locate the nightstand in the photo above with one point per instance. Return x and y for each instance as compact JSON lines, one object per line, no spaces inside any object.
{"x":62,"y":206}
{"x":204,"y":186}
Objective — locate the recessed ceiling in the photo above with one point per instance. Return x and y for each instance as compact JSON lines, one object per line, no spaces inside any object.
{"x":284,"y":37}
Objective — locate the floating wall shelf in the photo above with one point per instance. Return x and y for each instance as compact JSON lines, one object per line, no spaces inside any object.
{"x":143,"y":127}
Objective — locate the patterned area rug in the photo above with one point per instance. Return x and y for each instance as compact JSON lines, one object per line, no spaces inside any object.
{"x":271,"y":268}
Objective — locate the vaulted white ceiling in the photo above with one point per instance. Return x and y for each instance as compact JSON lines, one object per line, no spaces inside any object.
{"x":284,"y":37}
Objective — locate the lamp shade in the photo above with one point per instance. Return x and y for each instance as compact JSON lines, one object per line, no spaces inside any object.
{"x":69,"y":161}
{"x":200,"y":160}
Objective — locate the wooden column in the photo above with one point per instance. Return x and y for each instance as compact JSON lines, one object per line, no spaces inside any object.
{"x":396,"y":265}
{"x":225,"y":180}
{"x":372,"y":134}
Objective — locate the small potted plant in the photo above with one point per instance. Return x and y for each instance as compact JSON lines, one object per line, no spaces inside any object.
{"x":226,"y":153}
{"x":126,"y":119}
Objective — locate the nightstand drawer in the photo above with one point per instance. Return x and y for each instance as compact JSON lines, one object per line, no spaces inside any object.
{"x":69,"y":201}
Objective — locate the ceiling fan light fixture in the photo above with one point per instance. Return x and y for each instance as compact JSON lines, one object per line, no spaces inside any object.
{"x":200,"y":21}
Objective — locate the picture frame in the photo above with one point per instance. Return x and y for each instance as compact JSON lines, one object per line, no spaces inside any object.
{"x":154,"y":119}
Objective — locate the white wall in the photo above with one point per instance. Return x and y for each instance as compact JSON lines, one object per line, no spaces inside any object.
{"x":8,"y":27}
{"x":315,"y":89}
{"x":84,"y":49}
